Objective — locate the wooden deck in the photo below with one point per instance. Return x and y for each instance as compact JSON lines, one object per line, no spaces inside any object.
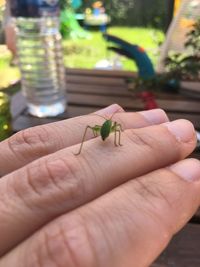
{"x":90,"y":90}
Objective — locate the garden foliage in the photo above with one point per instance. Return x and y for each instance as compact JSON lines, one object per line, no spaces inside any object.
{"x":186,"y":65}
{"x":136,"y":12}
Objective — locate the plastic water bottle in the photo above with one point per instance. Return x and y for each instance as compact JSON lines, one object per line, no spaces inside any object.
{"x":40,"y":55}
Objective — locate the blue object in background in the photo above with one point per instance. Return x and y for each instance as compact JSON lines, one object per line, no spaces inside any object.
{"x":96,"y":11}
{"x":34,"y":8}
{"x":76,"y":4}
{"x":145,"y":67}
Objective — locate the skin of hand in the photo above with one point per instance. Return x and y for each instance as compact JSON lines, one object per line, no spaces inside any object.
{"x":105,"y":207}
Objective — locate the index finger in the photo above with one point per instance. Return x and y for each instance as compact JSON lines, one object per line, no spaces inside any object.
{"x":33,"y":143}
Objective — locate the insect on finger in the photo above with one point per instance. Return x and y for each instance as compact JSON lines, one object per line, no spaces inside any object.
{"x":105,"y":130}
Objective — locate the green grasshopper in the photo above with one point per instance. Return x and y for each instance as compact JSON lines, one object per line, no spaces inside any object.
{"x":104,"y":131}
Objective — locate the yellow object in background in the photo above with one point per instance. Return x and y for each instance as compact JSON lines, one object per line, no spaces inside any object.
{"x":2,"y":2}
{"x":187,"y":20}
{"x":5,"y":117}
{"x":177,"y":5}
{"x":97,"y":4}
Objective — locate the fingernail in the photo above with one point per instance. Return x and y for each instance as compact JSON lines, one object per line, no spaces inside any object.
{"x":155,"y":116}
{"x":188,"y":169}
{"x":183,"y":130}
{"x":110,"y":110}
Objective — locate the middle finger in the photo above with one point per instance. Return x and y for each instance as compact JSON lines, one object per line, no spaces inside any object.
{"x":31,"y":144}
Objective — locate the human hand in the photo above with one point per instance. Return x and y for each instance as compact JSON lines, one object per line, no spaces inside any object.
{"x":106,"y":207}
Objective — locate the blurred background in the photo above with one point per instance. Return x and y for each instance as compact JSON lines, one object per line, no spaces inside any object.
{"x":138,"y":21}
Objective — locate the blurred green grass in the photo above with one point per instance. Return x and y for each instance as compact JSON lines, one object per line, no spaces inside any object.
{"x":85,"y":53}
{"x":8,"y":74}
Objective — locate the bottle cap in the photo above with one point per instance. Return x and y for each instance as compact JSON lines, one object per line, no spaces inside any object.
{"x":34,"y":8}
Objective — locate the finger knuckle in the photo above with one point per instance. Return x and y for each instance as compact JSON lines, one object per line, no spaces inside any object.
{"x":63,"y":174}
{"x":54,"y":179}
{"x":153,"y":192}
{"x":142,"y":139}
{"x":158,"y":142}
{"x":157,"y":200}
{"x":33,"y":138}
{"x":65,"y":245}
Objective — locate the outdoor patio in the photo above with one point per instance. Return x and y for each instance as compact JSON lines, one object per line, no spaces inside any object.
{"x":117,"y":80}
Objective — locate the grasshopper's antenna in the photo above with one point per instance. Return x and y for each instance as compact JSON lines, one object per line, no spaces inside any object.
{"x":114,"y":113}
{"x":105,"y":117}
{"x":100,"y":116}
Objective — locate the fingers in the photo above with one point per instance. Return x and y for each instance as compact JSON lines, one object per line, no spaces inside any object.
{"x":33,"y":143}
{"x":62,"y":181}
{"x":116,"y":229}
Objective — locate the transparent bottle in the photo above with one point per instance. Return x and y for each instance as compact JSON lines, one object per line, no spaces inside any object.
{"x":40,"y":58}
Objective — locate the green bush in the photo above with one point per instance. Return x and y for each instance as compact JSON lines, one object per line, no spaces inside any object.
{"x":153,"y":13}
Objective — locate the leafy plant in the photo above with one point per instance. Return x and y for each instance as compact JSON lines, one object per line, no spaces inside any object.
{"x":187,"y":66}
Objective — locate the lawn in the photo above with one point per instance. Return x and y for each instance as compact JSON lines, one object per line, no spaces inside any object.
{"x":85,"y":53}
{"x":8,"y":74}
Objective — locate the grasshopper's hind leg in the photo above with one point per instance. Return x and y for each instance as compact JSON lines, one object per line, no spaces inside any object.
{"x":115,"y":140}
{"x":96,"y":129}
{"x":119,"y":140}
{"x":120,"y":127}
{"x":119,"y":130}
{"x":83,"y":139}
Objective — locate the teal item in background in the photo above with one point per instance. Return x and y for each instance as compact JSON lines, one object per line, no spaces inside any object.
{"x":145,"y":66}
{"x":76,"y":4}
